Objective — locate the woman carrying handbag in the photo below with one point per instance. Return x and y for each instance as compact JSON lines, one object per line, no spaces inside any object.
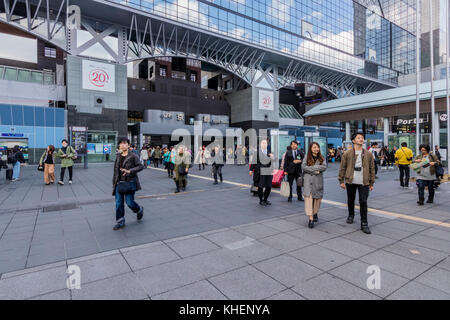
{"x":47,"y":164}
{"x":313,"y":169}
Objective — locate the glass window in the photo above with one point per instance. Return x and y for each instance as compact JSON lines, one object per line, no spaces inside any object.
{"x":50,"y":52}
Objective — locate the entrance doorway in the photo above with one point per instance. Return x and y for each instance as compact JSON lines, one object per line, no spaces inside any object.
{"x":396,"y":140}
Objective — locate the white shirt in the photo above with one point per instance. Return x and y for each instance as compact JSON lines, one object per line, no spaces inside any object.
{"x":358,"y":175}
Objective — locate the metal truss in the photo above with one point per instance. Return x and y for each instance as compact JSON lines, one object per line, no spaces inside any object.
{"x":142,"y":37}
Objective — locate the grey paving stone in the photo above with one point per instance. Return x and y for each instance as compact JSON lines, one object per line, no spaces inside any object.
{"x":347,"y":247}
{"x":436,"y":278}
{"x":282,"y":225}
{"x":286,"y":295}
{"x":192,"y":246}
{"x":101,"y":268}
{"x":255,"y":252}
{"x":416,"y":291}
{"x":327,"y":287}
{"x":416,"y":252}
{"x":285,"y":242}
{"x":287,"y":270}
{"x":444,"y":264}
{"x":33,"y":284}
{"x":428,"y":242}
{"x":80,"y":251}
{"x":202,"y":290}
{"x":405,"y":226}
{"x":320,"y":257}
{"x":223,"y":238}
{"x":150,"y":256}
{"x":396,"y":264}
{"x":389,"y":232}
{"x":58,"y":295}
{"x":355,"y":272}
{"x":374,"y":241}
{"x":13,"y":263}
{"x":45,"y":258}
{"x":335,"y":228}
{"x":436,"y":233}
{"x":246,"y":284}
{"x":121,"y":287}
{"x":313,"y":236}
{"x":257,"y":231}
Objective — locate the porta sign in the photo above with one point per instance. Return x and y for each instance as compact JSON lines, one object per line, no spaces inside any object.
{"x":98,"y":76}
{"x":266,"y":100}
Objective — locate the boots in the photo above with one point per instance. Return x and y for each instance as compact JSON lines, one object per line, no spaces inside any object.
{"x":431,"y":197}
{"x":421,"y":201}
{"x":350,"y":219}
{"x":365,"y":228}
{"x":315,"y":218}
{"x":178,"y":186}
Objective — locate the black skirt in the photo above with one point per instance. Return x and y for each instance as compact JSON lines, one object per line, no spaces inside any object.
{"x":265,"y":181}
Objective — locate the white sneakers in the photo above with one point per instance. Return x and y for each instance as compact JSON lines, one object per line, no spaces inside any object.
{"x":70,"y":181}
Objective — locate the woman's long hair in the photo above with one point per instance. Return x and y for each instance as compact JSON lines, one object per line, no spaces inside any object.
{"x":309,"y":158}
{"x":51,"y":149}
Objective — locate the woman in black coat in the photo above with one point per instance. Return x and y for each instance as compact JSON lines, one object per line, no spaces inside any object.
{"x":261,"y":168}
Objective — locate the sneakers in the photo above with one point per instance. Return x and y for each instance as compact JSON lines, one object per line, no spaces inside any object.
{"x":119,"y":225}
{"x":140,"y":214}
{"x":365,"y":228}
{"x":350,"y":219}
{"x":70,"y":181}
{"x":60,"y":183}
{"x":14,"y":180}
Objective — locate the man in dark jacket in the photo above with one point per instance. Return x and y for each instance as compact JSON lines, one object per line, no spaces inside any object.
{"x":293,"y":169}
{"x":261,"y":167}
{"x":126,"y":182}
{"x":217,"y":165}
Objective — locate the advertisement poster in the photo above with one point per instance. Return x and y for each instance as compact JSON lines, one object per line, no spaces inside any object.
{"x":98,"y":148}
{"x":79,"y":139}
{"x":98,"y":76}
{"x":266,"y":100}
{"x":107,"y":148}
{"x":91,"y":148}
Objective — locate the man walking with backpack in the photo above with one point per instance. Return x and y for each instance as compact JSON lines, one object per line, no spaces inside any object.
{"x":16,"y":158}
{"x":403,"y":158}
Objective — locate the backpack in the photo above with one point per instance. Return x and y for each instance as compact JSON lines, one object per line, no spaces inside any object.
{"x":12,"y":158}
{"x":75,"y":154}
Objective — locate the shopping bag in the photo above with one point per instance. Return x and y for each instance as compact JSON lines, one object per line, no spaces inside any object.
{"x":285,"y":190}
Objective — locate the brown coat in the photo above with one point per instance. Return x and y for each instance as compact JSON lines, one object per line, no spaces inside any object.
{"x":347,"y":167}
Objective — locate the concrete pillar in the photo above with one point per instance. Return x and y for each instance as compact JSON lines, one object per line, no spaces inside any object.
{"x":436,"y":131}
{"x":386,"y":131}
{"x":347,"y":131}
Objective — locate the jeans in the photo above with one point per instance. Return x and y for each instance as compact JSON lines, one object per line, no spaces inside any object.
{"x":425,"y":183}
{"x":120,"y":205}
{"x":63,"y":171}
{"x":404,"y":175}
{"x":363,"y":192}
{"x":291,"y":178}
{"x":217,"y":170}
{"x":16,"y":170}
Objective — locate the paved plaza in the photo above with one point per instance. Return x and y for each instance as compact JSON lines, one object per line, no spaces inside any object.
{"x":216,"y":242}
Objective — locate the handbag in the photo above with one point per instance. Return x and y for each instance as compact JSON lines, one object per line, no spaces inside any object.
{"x":126,"y":186}
{"x":285,"y":190}
{"x":300,"y":181}
{"x":182,"y":170}
{"x":40,"y":167}
{"x":439,"y":171}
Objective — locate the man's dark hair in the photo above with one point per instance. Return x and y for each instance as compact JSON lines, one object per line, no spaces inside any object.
{"x":374,"y":144}
{"x":122,"y":140}
{"x":64,"y":140}
{"x":404,"y":144}
{"x":425,"y":146}
{"x":294,"y":141}
{"x":357,"y":134}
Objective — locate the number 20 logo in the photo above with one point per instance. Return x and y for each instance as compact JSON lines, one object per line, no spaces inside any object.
{"x":98,"y":78}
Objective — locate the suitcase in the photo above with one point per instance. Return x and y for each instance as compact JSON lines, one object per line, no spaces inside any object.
{"x":9,"y":174}
{"x":278,"y":176}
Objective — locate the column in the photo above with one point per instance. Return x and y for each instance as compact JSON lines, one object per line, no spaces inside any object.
{"x":347,"y":131}
{"x":436,"y":131}
{"x":386,"y":131}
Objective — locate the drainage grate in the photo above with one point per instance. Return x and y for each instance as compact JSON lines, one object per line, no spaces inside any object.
{"x":60,"y":207}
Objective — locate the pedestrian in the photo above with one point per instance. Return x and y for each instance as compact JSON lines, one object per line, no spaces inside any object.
{"x":182,"y":163}
{"x":48,"y":162}
{"x":126,"y":182}
{"x":17,"y":159}
{"x":262,"y":167}
{"x":403,"y":158}
{"x":313,"y":170}
{"x":66,"y":153}
{"x":293,"y":169}
{"x":375,"y":153}
{"x":283,"y":157}
{"x":156,"y":156}
{"x":170,"y":156}
{"x":144,"y":156}
{"x":357,"y":173}
{"x":217,"y":165}
{"x":437,"y":153}
{"x":200,"y":158}
{"x":392,"y":154}
{"x":426,"y":173}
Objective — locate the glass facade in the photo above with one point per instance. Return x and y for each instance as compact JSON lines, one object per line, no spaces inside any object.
{"x":359,"y":37}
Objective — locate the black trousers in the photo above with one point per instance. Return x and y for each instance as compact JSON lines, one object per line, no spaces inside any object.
{"x":217,"y":170}
{"x":291,"y":179}
{"x":200,"y":166}
{"x":156,"y":162}
{"x":421,"y":188}
{"x":263,"y":194}
{"x":363,"y":192}
{"x":376,"y":167}
{"x":170,"y":167}
{"x":404,"y":175}
{"x":63,"y":171}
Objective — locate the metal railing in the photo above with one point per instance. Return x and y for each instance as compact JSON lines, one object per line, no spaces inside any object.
{"x":27,"y":75}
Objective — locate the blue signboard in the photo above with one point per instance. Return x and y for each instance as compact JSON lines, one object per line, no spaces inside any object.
{"x":13,"y":135}
{"x":107,"y":148}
